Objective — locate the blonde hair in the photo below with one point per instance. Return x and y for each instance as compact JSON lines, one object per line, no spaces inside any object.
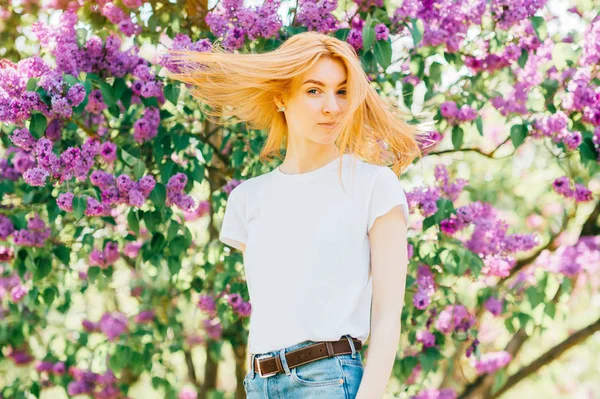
{"x":244,"y":85}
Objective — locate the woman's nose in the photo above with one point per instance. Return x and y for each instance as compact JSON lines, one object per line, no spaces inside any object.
{"x":331,"y":104}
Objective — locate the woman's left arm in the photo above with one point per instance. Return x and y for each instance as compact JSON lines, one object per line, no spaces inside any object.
{"x":389,"y":262}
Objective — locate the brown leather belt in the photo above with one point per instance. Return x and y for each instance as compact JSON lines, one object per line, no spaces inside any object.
{"x":271,"y":365}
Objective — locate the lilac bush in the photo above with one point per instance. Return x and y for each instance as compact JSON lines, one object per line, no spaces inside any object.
{"x":103,"y":161}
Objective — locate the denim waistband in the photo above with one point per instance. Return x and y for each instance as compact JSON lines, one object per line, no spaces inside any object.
{"x":281,"y":352}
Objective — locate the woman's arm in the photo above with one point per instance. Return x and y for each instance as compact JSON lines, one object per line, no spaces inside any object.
{"x":389,"y":262}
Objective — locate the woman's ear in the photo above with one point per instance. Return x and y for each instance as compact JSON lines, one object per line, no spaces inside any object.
{"x":278,"y":102}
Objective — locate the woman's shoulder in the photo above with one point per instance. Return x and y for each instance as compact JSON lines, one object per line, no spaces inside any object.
{"x":367,"y":168}
{"x":251,"y":184}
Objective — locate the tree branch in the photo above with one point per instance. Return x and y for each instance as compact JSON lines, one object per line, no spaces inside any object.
{"x":482,"y":385}
{"x":549,"y":356}
{"x":475,"y":149}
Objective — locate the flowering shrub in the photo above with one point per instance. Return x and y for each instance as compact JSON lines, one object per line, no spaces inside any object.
{"x":112,"y":184}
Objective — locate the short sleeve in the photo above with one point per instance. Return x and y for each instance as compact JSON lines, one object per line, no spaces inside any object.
{"x":387,"y":193}
{"x":233,"y":230}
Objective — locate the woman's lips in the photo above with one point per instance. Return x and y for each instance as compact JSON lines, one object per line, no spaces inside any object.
{"x":328,"y":124}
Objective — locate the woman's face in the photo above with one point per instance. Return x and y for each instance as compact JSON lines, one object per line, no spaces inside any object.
{"x":319,"y":98}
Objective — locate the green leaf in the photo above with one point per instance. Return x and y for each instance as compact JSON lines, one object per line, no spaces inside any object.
{"x":587,"y":150}
{"x":523,"y":318}
{"x":133,"y":222}
{"x":188,"y":237}
{"x":63,"y":254}
{"x":172,"y":92}
{"x":539,"y":25}
{"x":93,"y":272}
{"x":53,"y":209}
{"x":535,"y":296}
{"x":126,"y":98}
{"x":108,"y":95}
{"x":38,"y":125}
{"x":197,"y":284}
{"x":150,"y":222}
{"x":79,"y":206}
{"x":138,"y":170}
{"x":198,"y":171}
{"x":435,"y":72}
{"x":128,"y":158}
{"x":518,"y":133}
{"x":158,"y":195}
{"x":49,"y":295}
{"x":342,"y":34}
{"x":522,"y":61}
{"x":43,"y":267}
{"x":417,"y":28}
{"x":70,"y":79}
{"x":119,"y":87}
{"x":174,"y":265}
{"x":499,"y":380}
{"x":173,"y":229}
{"x":428,"y":359}
{"x":479,"y":124}
{"x":158,"y":242}
{"x":383,"y":53}
{"x":407,"y":93}
{"x":457,"y":137}
{"x":32,"y":84}
{"x":407,"y":364}
{"x":178,"y":245}
{"x":165,"y":170}
{"x":368,"y":34}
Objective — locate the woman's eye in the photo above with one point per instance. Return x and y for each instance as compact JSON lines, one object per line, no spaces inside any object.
{"x":311,"y":90}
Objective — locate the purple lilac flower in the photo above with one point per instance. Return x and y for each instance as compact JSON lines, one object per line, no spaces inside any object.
{"x":113,"y":325}
{"x":213,"y":328}
{"x":145,"y":316}
{"x":65,"y":201}
{"x":18,"y":292}
{"x":454,"y":318}
{"x":146,"y":127}
{"x":432,"y":393}
{"x":317,"y":15}
{"x":381,"y":32}
{"x":6,"y":227}
{"x":206,"y":303}
{"x":494,"y":305}
{"x":175,"y":194}
{"x":183,"y":42}
{"x":426,"y":338}
{"x":36,"y":236}
{"x":23,"y":139}
{"x":187,"y":393}
{"x":108,"y":151}
{"x":491,"y":362}
{"x":59,"y":368}
{"x":244,"y":309}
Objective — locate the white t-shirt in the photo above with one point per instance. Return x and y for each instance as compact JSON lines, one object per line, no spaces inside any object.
{"x":307,"y":258}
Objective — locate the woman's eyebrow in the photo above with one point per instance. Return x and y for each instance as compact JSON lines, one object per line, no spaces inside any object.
{"x":321,"y":83}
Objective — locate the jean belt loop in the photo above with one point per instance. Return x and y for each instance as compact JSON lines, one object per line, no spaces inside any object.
{"x":253,"y":374}
{"x":351,"y":342}
{"x":284,"y":362}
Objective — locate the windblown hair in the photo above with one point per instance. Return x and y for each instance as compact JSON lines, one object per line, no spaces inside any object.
{"x":245,"y":86}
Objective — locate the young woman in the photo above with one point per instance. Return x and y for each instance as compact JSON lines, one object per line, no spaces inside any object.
{"x":324,"y":233}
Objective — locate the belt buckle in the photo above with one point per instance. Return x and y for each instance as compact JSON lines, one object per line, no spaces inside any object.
{"x":260,"y":371}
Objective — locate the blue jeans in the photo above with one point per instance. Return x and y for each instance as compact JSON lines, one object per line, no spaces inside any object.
{"x":336,"y":377}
